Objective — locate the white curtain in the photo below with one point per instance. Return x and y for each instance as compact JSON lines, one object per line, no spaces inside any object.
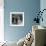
{"x":1,"y":20}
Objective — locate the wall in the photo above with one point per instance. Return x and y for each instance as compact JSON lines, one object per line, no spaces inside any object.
{"x":29,"y":7}
{"x":43,"y":6}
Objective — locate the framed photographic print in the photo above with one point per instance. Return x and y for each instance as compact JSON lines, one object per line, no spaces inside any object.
{"x":16,"y":18}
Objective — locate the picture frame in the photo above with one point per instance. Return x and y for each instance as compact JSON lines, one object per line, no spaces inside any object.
{"x":16,"y":18}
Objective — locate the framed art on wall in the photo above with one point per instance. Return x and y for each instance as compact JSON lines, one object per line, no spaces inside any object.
{"x":16,"y":18}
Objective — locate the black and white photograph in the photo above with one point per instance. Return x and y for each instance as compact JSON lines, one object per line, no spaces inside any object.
{"x":17,"y":18}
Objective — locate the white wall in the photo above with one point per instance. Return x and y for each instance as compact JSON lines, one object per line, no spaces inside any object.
{"x":43,"y":6}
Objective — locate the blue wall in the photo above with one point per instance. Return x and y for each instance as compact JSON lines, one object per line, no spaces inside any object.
{"x":29,"y":7}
